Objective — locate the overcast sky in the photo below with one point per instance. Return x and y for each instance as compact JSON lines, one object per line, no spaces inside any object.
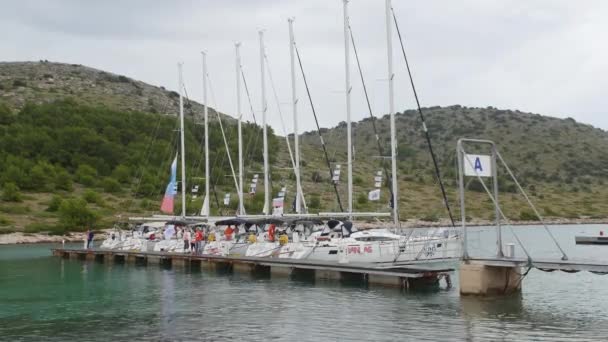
{"x":542,"y":56}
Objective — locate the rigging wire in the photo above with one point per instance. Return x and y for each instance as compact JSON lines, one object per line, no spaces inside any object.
{"x":250,"y":148}
{"x":424,"y":128}
{"x":147,"y":154}
{"x":276,"y":98}
{"x":219,"y":119}
{"x":371,"y":114}
{"x":318,"y":127}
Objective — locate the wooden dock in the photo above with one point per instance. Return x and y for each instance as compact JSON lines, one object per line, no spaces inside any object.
{"x":416,"y":274}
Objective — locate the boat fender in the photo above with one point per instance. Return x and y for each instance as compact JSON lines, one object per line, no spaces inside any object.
{"x":252,"y":238}
{"x":211,"y":237}
{"x":283,"y":240}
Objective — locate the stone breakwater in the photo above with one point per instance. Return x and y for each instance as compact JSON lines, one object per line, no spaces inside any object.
{"x":21,"y":238}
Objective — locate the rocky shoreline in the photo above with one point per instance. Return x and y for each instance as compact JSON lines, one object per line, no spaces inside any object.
{"x":25,"y":238}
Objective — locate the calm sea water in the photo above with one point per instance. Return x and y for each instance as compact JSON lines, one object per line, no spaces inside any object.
{"x":45,"y":298}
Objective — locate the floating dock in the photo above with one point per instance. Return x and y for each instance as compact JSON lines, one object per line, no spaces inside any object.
{"x":416,"y":274}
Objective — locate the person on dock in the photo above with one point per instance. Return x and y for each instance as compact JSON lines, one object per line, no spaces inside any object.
{"x":271,"y":231}
{"x":228,"y":233}
{"x":90,"y":236}
{"x":198,"y":238}
{"x":192,"y":241}
{"x":186,"y":236}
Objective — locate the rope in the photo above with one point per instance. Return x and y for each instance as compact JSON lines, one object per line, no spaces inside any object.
{"x":318,"y":127}
{"x":564,"y":256}
{"x":424,"y":128}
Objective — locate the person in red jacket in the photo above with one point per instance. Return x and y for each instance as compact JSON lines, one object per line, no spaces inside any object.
{"x":228,"y":233}
{"x":198,"y":240}
{"x":271,"y":230}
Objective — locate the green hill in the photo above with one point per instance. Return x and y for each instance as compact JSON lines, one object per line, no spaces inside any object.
{"x":90,"y":150}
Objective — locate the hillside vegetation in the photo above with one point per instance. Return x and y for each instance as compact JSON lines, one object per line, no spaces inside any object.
{"x":89,"y":151}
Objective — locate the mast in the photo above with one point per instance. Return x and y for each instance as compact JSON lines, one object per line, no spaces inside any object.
{"x":206,"y":119}
{"x":239,"y":116}
{"x":391,"y":110}
{"x":182,"y":146}
{"x":294,"y":100}
{"x":265,"y":133}
{"x":348,"y":120}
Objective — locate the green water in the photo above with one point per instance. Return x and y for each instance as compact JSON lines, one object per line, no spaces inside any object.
{"x":45,"y":298}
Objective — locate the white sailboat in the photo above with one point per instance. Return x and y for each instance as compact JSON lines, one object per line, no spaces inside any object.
{"x":339,"y":243}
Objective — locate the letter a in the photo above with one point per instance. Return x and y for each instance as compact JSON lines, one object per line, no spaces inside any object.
{"x":478,"y":165}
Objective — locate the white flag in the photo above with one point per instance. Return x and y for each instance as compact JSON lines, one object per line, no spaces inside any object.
{"x":374,"y":195}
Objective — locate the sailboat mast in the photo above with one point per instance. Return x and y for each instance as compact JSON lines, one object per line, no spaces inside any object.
{"x":182,"y":145}
{"x":265,"y":133}
{"x":391,"y":110}
{"x":239,"y":116}
{"x":348,"y":119}
{"x":294,"y":99}
{"x":206,"y":119}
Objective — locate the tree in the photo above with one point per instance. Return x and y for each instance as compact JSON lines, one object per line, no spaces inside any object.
{"x":63,"y":180}
{"x":10,"y":193}
{"x":75,"y":215}
{"x":85,"y":174}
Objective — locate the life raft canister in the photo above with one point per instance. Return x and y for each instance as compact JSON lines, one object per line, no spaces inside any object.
{"x":283,"y":239}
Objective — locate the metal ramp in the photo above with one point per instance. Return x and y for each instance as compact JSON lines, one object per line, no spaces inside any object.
{"x":485,"y":166}
{"x":547,"y":265}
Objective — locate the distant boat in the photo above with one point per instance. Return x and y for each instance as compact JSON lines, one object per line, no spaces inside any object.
{"x":592,"y":240}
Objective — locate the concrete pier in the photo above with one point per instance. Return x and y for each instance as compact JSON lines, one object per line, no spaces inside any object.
{"x":479,"y":279}
{"x":398,"y":276}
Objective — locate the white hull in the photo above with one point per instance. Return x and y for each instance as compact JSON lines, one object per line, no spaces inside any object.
{"x":394,"y":251}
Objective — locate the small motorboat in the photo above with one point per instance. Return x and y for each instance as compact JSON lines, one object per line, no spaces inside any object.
{"x":592,"y":240}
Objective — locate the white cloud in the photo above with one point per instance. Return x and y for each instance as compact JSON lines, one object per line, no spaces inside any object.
{"x":541,"y":56}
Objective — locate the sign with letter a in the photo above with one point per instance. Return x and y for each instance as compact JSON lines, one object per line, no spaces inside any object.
{"x":481,"y":165}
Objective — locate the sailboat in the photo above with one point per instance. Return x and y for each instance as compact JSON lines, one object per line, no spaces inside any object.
{"x":339,"y":242}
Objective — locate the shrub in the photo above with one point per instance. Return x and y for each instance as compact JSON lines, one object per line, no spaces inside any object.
{"x":10,"y":193}
{"x":63,"y":180}
{"x":315,"y":202}
{"x":54,"y":204}
{"x":111,"y":185}
{"x":316,"y":177}
{"x":38,"y":227}
{"x":527,"y":215}
{"x":19,"y":83}
{"x":6,"y":115}
{"x":362,"y":199}
{"x":122,"y":173}
{"x":432,"y":217}
{"x":4,"y":221}
{"x":358,"y":180}
{"x":75,"y":215}
{"x":91,"y":196}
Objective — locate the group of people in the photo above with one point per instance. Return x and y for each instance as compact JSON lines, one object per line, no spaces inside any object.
{"x":193,"y":241}
{"x":193,"y":238}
